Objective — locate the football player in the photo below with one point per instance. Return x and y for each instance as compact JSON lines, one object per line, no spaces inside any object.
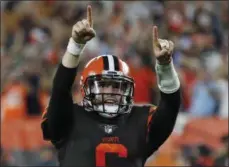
{"x":108,"y":129}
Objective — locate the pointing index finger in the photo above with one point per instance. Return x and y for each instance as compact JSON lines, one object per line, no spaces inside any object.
{"x":155,"y":35}
{"x":89,"y":15}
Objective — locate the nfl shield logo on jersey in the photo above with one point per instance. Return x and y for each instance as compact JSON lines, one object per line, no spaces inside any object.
{"x":109,"y":128}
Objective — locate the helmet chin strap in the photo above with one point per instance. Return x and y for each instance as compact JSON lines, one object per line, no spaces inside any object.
{"x":110,"y":111}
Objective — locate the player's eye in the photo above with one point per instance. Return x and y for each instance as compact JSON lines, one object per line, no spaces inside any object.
{"x":102,"y":84}
{"x":124,"y":85}
{"x":90,"y":82}
{"x":115,"y":85}
{"x":107,"y":84}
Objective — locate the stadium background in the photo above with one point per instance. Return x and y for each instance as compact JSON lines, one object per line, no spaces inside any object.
{"x":34,"y":36}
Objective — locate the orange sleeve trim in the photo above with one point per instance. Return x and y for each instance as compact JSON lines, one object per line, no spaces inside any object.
{"x":150,"y":116}
{"x":44,"y":115}
{"x":149,"y":119}
{"x":152,"y":109}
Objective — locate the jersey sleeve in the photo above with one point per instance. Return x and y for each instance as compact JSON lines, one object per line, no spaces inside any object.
{"x":161,"y":121}
{"x":57,"y":120}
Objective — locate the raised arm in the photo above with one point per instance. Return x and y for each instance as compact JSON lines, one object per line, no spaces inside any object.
{"x":163,"y":117}
{"x":58,"y":119}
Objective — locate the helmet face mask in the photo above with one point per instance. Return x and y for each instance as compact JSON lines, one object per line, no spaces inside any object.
{"x":108,"y":94}
{"x":107,"y":87}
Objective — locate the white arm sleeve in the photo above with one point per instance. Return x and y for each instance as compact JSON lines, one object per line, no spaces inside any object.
{"x":167,"y":78}
{"x":71,"y":57}
{"x":70,"y":61}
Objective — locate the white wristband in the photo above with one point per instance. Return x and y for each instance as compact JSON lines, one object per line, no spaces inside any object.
{"x":167,"y":78}
{"x":75,"y":48}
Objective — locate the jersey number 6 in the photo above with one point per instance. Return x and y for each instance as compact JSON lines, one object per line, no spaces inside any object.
{"x":104,"y":148}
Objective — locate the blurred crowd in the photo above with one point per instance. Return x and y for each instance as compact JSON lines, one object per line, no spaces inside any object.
{"x":34,"y":36}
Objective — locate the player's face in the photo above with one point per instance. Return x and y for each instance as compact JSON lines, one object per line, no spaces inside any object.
{"x":110,"y":93}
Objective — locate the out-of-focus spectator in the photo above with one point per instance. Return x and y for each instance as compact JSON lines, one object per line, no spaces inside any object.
{"x":188,"y":71}
{"x":204,"y":156}
{"x":222,"y":83}
{"x":13,"y":100}
{"x":205,"y":96}
{"x":145,"y":80}
{"x":222,"y":155}
{"x":198,"y":155}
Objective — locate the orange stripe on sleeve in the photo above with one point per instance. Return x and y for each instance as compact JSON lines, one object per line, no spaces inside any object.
{"x":44,"y":114}
{"x":151,"y":113}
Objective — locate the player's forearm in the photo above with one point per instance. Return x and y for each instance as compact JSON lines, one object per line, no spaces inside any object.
{"x":71,"y":57}
{"x":66,"y":72}
{"x":167,"y":78}
{"x":70,"y":61}
{"x":164,"y":119}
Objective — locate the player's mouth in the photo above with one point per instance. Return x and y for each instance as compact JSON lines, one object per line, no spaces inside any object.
{"x":110,"y":101}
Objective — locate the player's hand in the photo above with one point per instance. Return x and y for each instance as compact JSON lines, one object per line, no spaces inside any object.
{"x":83,"y":31}
{"x":162,"y":48}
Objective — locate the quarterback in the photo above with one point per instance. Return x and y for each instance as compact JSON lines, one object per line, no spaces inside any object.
{"x":107,"y":129}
